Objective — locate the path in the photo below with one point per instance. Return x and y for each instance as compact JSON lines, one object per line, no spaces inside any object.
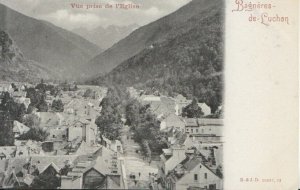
{"x":137,"y":170}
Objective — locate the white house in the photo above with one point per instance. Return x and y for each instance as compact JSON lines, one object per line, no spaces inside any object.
{"x":115,"y":145}
{"x":203,"y":126}
{"x":19,"y":129}
{"x":205,"y":108}
{"x":172,"y":120}
{"x":192,"y":173}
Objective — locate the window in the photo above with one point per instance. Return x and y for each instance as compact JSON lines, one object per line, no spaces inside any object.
{"x":192,"y":130}
{"x":205,"y":175}
{"x":196,"y":130}
{"x":187,"y":129}
{"x":195,"y":177}
{"x":53,"y":136}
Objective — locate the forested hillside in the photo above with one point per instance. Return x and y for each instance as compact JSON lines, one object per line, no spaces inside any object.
{"x":189,"y":63}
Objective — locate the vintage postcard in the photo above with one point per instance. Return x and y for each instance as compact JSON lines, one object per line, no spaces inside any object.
{"x":149,"y":94}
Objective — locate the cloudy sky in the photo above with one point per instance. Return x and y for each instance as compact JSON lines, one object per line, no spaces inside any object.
{"x":61,"y":13}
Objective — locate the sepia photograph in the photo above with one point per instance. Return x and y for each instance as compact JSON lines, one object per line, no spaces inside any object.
{"x":112,"y":94}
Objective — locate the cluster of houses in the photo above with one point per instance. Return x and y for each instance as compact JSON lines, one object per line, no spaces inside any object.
{"x":17,"y":91}
{"x":193,"y":159}
{"x":71,"y":151}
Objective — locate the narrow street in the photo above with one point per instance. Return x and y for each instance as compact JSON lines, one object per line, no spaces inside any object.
{"x":137,"y":169}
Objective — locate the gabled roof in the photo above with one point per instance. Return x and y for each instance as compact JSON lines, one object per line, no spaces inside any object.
{"x":56,"y":168}
{"x":187,"y":165}
{"x":8,"y":151}
{"x":42,"y":162}
{"x":20,"y":127}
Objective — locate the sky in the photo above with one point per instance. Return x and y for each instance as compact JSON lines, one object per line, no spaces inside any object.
{"x":61,"y":13}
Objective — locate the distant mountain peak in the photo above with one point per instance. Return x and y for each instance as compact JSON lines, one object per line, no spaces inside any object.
{"x":105,"y":37}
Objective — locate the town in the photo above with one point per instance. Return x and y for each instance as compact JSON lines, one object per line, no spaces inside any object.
{"x":71,"y":136}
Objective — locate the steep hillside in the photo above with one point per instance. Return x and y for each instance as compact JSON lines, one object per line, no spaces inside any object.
{"x":53,"y":47}
{"x":190,"y":62}
{"x":161,"y":30}
{"x":106,"y":37}
{"x":15,"y":67}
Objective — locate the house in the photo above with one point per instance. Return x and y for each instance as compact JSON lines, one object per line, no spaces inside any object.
{"x":50,"y":119}
{"x":57,"y":133}
{"x":133,"y":92}
{"x":7,"y":152}
{"x":180,"y":102}
{"x":22,"y":151}
{"x":192,"y":173}
{"x":6,"y":87}
{"x":159,"y":105}
{"x":19,"y":94}
{"x":114,"y":145}
{"x":89,"y":133}
{"x":51,"y":164}
{"x":94,"y":169}
{"x":90,"y":178}
{"x":15,"y":173}
{"x":203,"y":126}
{"x":83,"y":129}
{"x":75,"y":130}
{"x":19,"y":129}
{"x":150,"y":98}
{"x":22,"y":100}
{"x":171,"y":157}
{"x":172,"y":120}
{"x":205,"y":108}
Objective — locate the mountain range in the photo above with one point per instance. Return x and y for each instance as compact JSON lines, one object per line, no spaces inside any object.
{"x":105,"y":37}
{"x":54,"y":48}
{"x":180,"y":53}
{"x":166,"y":28}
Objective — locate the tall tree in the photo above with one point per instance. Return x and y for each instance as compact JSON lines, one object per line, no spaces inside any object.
{"x":192,"y":110}
{"x":57,"y":106}
{"x":6,"y":129}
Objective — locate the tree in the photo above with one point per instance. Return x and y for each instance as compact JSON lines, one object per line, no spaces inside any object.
{"x":37,"y":99}
{"x":6,"y":129}
{"x":45,"y":181}
{"x":146,"y":128}
{"x":15,"y":110}
{"x":9,"y":111}
{"x":192,"y":110}
{"x":42,"y":106}
{"x":35,"y":133}
{"x":31,"y":120}
{"x":109,"y":122}
{"x":57,"y":106}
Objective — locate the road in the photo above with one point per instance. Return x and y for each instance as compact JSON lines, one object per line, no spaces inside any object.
{"x":136,"y":168}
